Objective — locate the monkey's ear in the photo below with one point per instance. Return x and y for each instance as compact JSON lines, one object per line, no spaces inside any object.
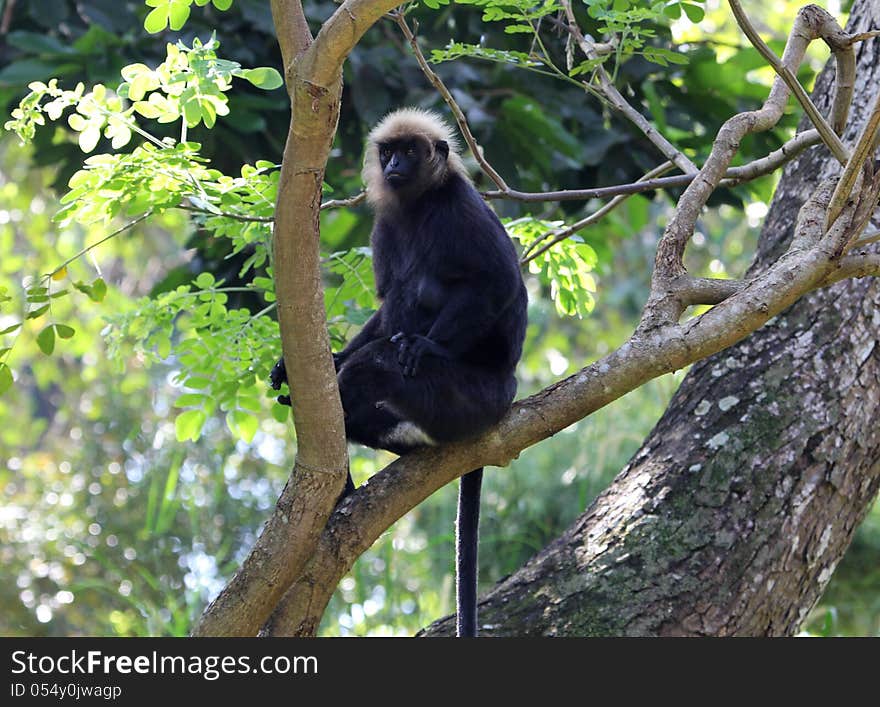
{"x":442,"y":148}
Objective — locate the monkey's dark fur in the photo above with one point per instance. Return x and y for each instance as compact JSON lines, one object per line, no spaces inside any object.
{"x":436,"y":362}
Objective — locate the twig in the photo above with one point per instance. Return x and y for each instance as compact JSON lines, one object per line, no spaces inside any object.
{"x":734,"y":176}
{"x":829,"y":137}
{"x":6,"y":22}
{"x":868,"y":239}
{"x":437,"y":83}
{"x":610,"y":92}
{"x":121,"y":229}
{"x":600,"y":213}
{"x":226,"y":214}
{"x":350,"y":201}
{"x":863,"y":151}
{"x":862,"y":36}
{"x":774,"y":160}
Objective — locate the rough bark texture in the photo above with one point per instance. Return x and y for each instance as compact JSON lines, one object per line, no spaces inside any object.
{"x":732,"y":517}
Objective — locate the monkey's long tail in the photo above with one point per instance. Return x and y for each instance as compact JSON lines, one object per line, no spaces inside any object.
{"x":466,"y":541}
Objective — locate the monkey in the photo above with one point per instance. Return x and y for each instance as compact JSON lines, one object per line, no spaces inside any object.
{"x":435,"y":363}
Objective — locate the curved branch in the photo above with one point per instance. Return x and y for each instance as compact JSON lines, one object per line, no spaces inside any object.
{"x":444,"y":92}
{"x":811,"y":23}
{"x":342,"y":32}
{"x":822,"y":24}
{"x":610,"y":92}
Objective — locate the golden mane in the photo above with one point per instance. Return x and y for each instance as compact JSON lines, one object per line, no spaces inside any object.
{"x":403,"y":123}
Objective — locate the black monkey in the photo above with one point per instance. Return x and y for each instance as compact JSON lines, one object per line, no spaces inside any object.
{"x":436,"y":362}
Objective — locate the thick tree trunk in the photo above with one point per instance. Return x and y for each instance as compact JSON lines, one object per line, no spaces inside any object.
{"x":731,"y":518}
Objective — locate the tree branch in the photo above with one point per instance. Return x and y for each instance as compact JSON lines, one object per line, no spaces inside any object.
{"x":820,"y":24}
{"x":810,"y":23}
{"x":864,"y":150}
{"x":342,"y":32}
{"x":444,"y":92}
{"x":561,"y":235}
{"x":291,"y":28}
{"x":610,"y":92}
{"x":351,"y":201}
{"x":314,"y":83}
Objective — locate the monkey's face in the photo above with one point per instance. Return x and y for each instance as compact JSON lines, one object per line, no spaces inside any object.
{"x":402,"y":161}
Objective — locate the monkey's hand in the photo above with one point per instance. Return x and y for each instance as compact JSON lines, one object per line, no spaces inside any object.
{"x":277,"y":377}
{"x":411,"y":348}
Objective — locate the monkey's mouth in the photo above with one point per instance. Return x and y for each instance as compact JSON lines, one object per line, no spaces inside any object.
{"x":395,"y":178}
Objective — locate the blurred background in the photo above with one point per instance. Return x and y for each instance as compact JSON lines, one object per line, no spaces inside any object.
{"x":109,"y":526}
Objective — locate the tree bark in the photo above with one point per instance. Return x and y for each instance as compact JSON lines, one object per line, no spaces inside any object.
{"x":733,"y":515}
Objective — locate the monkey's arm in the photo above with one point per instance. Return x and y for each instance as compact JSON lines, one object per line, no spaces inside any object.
{"x":465,"y":319}
{"x":467,"y":316}
{"x":371,"y":331}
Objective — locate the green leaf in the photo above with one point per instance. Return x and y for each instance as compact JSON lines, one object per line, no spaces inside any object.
{"x":88,"y":138}
{"x":248,"y":402}
{"x":5,"y":378}
{"x":99,"y":290}
{"x":280,"y":412}
{"x":38,"y":312}
{"x":243,"y":424}
{"x":205,"y":281}
{"x":197,"y":382}
{"x":673,"y":11}
{"x":222,"y":4}
{"x":46,"y":340}
{"x":64,"y":331}
{"x":178,"y":14}
{"x":190,"y":400}
{"x":694,"y":13}
{"x":147,"y":109}
{"x":263,"y":77}
{"x":188,"y":425}
{"x":9,"y":330}
{"x":156,"y":20}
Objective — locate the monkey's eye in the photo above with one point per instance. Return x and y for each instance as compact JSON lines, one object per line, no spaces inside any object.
{"x":410,"y":152}
{"x":385,"y":152}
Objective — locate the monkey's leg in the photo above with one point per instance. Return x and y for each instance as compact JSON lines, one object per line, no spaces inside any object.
{"x":367,"y":382}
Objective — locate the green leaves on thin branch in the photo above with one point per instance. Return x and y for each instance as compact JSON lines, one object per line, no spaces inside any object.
{"x":35,"y":304}
{"x":190,"y":86}
{"x":631,"y":24}
{"x":223,"y":354}
{"x":349,"y":295}
{"x":566,"y":268}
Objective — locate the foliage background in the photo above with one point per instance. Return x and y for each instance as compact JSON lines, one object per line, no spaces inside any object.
{"x":109,"y":526}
